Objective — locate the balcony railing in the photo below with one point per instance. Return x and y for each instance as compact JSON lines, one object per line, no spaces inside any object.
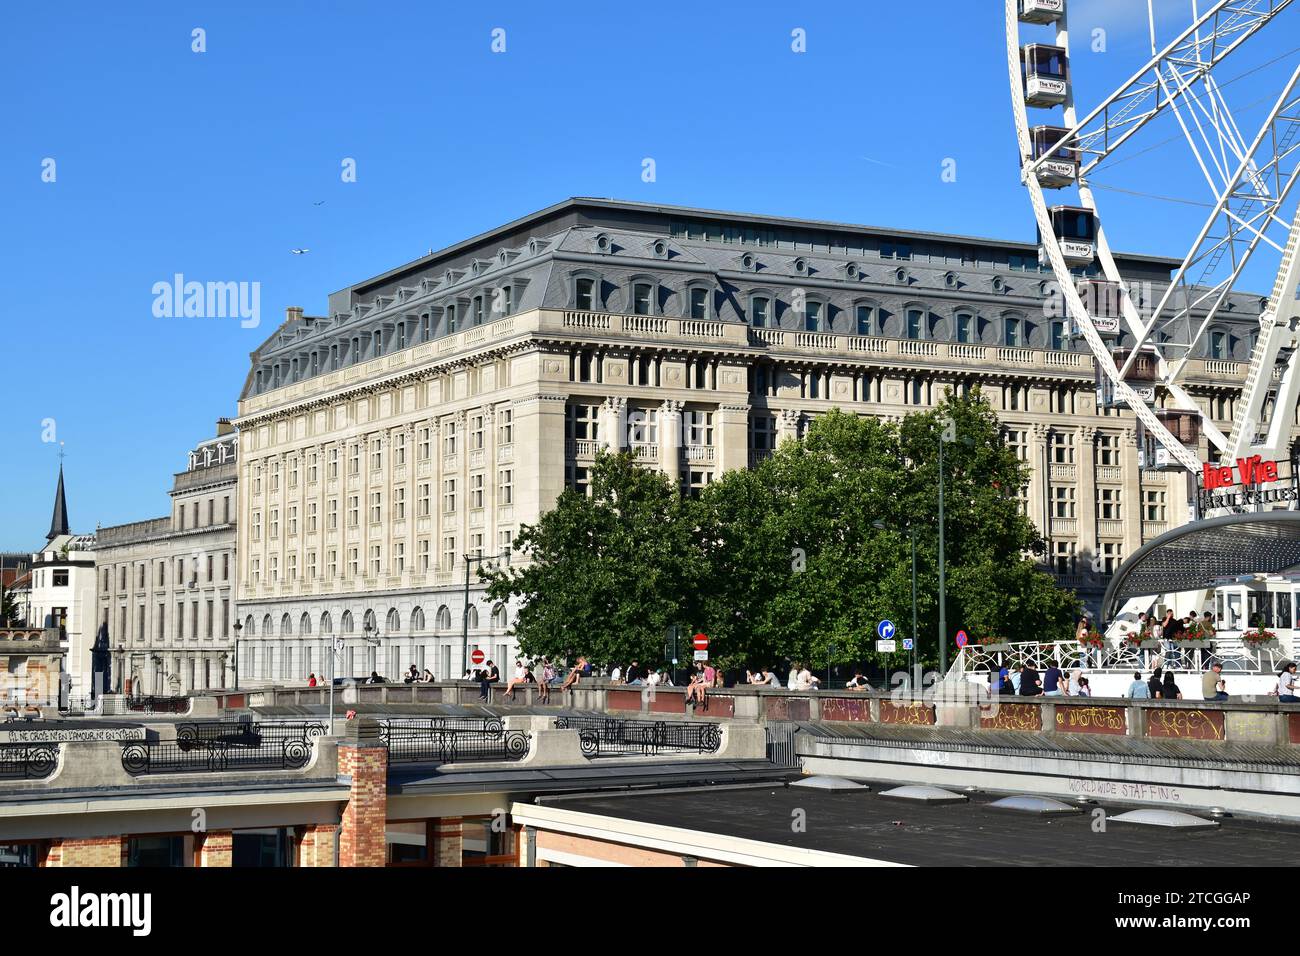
{"x":218,"y":746}
{"x":451,"y":745}
{"x":28,"y":761}
{"x":608,"y":736}
{"x":699,"y":453}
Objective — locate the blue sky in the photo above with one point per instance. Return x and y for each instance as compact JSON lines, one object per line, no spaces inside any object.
{"x":211,"y":164}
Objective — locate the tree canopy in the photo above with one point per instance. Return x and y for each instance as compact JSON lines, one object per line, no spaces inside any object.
{"x":803,"y":553}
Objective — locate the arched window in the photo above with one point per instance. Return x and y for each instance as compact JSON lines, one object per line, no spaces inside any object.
{"x":267,"y":630}
{"x":473,"y":617}
{"x":964,"y":329}
{"x":643,"y":295}
{"x":914,"y":322}
{"x":286,"y":625}
{"x":304,"y":624}
{"x":442,"y":620}
{"x":250,"y":627}
{"x":814,"y":315}
{"x":394,"y":622}
{"x":1015,"y":330}
{"x":368,"y":621}
{"x":866,"y":320}
{"x":417,"y":619}
{"x":587,"y":293}
{"x":326,"y":623}
{"x":760,"y":309}
{"x":499,"y":620}
{"x":345,"y":625}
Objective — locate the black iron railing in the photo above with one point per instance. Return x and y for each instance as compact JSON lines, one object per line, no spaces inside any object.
{"x":214,"y":746}
{"x":607,"y":736}
{"x":450,"y":745}
{"x":244,"y":733}
{"x":487,"y":725}
{"x":28,"y":761}
{"x":158,"y":705}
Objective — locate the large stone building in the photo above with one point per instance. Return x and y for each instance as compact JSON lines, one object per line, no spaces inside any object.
{"x":166,"y":585}
{"x":439,"y":406}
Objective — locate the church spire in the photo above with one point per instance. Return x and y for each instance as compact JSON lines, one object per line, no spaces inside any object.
{"x":59,"y":523}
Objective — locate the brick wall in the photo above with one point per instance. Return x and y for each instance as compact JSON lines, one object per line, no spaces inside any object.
{"x":448,"y":841}
{"x":316,"y":845}
{"x":364,"y":759}
{"x":214,"y":848}
{"x":95,"y":851}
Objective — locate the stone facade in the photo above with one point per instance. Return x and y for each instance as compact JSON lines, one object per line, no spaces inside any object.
{"x":439,"y":407}
{"x":63,"y":597}
{"x":166,"y":586}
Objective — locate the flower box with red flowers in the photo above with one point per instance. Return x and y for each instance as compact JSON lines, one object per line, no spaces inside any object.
{"x":1258,"y":637}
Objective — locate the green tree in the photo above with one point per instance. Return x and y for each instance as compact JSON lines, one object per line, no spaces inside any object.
{"x":796,"y":565}
{"x":606,"y":573}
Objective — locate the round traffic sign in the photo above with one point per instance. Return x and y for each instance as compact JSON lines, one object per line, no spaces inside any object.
{"x":886,"y":630}
{"x":961,"y":638}
{"x":477,"y":656}
{"x":701,"y":642}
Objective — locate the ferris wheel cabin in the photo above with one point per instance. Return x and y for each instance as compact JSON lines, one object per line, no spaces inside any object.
{"x":1046,"y":71}
{"x":1076,"y":234}
{"x":1103,"y":300}
{"x":1059,"y":167}
{"x":1141,"y":377}
{"x":1041,"y":11}
{"x":1185,"y":426}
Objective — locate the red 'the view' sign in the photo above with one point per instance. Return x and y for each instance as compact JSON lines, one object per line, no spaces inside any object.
{"x":1250,"y":471}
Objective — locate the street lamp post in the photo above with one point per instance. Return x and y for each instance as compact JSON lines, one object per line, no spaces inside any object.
{"x":464,"y":634}
{"x":237,"y":628}
{"x":943,"y":597}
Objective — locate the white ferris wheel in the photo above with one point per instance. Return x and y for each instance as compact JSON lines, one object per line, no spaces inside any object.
{"x":1252,"y":217}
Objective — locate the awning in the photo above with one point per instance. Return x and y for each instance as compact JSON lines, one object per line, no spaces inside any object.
{"x":1192,"y":557}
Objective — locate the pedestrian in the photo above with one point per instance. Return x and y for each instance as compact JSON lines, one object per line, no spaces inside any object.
{"x":1030,"y":685}
{"x":696,"y":689}
{"x":1017,"y":674}
{"x":575,"y":675}
{"x":634,"y":675}
{"x":1154,"y":685}
{"x":1287,"y":684}
{"x":412,"y":675}
{"x":1072,"y":689}
{"x":1169,"y":690}
{"x":1052,"y":681}
{"x":1005,"y":685}
{"x":1213,"y":686}
{"x":616,"y":675}
{"x":375,"y":678}
{"x":1084,"y":689}
{"x":487,"y":677}
{"x":311,"y":680}
{"x":1138,"y":690}
{"x":547,"y":678}
{"x":858,"y":682}
{"x":520,"y":677}
{"x":427,"y":676}
{"x":710,"y":676}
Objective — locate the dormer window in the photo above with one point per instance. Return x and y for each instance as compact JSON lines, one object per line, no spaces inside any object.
{"x":451,"y":319}
{"x":760,"y":310}
{"x":584,"y":294}
{"x":699,"y":303}
{"x":864,"y":316}
{"x":1013,"y":331}
{"x":813,"y":315}
{"x":915,"y":320}
{"x":641,"y":298}
{"x":965,"y":328}
{"x":478,"y":310}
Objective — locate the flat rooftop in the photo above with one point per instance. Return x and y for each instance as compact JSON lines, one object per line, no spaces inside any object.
{"x":864,"y":824}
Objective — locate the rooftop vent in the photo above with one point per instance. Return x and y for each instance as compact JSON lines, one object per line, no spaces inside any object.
{"x":829,"y":783}
{"x":1024,"y":803}
{"x":1162,"y":818}
{"x":925,"y":794}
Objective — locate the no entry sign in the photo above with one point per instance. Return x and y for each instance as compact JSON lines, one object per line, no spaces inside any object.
{"x":477,"y":656}
{"x":701,"y":642}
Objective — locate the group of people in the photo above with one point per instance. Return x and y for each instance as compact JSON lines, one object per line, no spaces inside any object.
{"x":1024,"y":681}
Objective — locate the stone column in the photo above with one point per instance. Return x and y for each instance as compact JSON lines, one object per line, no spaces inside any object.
{"x":732,"y":437}
{"x":363,"y":759}
{"x":214,"y":848}
{"x":1039,"y":479}
{"x":670,"y":440}
{"x":613,"y":424}
{"x":1131,"y":501}
{"x":448,"y":841}
{"x":1086,"y":489}
{"x":787,"y":424}
{"x":539,"y":450}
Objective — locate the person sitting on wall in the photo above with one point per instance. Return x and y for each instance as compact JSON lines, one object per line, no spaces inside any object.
{"x":575,"y":675}
{"x":1213,"y":686}
{"x":857,"y":682}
